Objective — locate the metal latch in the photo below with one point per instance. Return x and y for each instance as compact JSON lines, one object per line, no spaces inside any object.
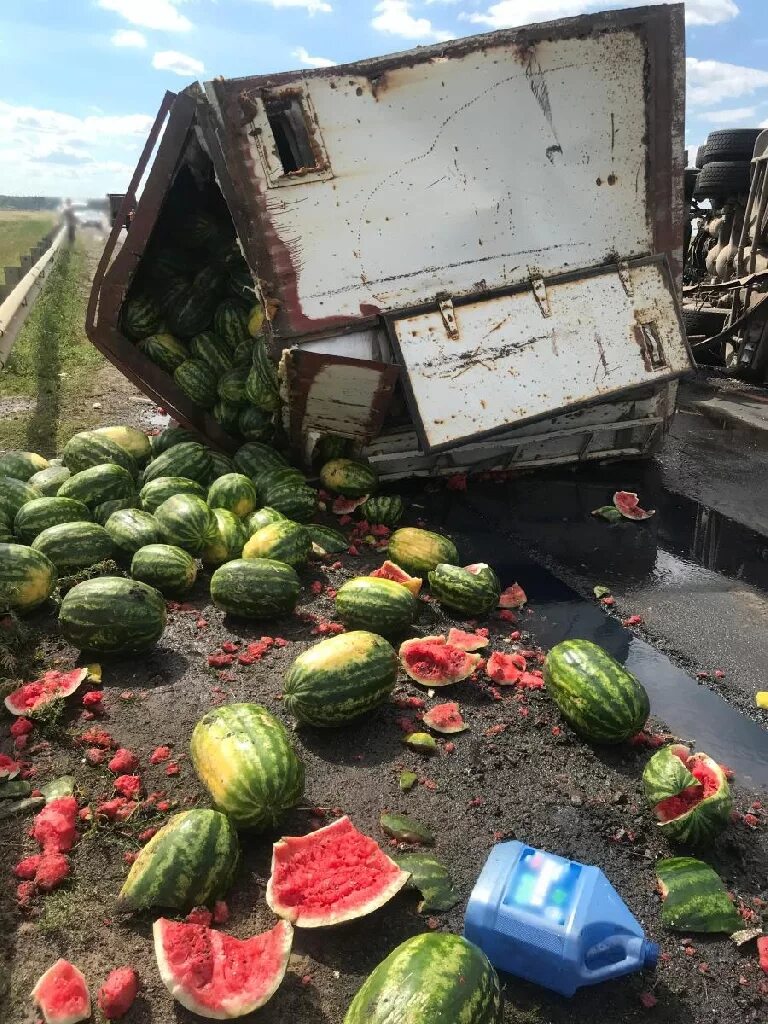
{"x":540,"y":294}
{"x":445,"y":305}
{"x":622,"y":269}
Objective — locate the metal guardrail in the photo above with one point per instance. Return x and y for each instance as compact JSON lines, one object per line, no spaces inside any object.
{"x":22,"y":286}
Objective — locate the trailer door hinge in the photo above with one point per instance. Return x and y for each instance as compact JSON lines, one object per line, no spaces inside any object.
{"x":622,"y":268}
{"x":445,"y":305}
{"x":540,"y":294}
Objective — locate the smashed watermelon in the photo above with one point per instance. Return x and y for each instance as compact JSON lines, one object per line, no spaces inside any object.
{"x":54,"y":827}
{"x":628,"y":504}
{"x":436,"y":664}
{"x":62,"y":994}
{"x":389,"y":571}
{"x":346,"y":506}
{"x":513,"y":597}
{"x":118,"y":993}
{"x":506,"y":669}
{"x":467,"y":641}
{"x":31,"y":697}
{"x":332,"y":875}
{"x":445,"y":718}
{"x":9,"y":768}
{"x":689,"y":794}
{"x":216,"y":975}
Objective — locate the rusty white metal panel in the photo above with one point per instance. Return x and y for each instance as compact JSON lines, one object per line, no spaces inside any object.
{"x":521,"y":356}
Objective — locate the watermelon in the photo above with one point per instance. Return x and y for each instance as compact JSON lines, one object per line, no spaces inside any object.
{"x":200,"y":228}
{"x":235,"y":493}
{"x":332,"y":875}
{"x":689,"y":794}
{"x":165,"y":351}
{"x":600,"y":699}
{"x":467,"y":641}
{"x":13,"y":494}
{"x":22,"y":465}
{"x":256,"y":318}
{"x":348,"y":478}
{"x":261,"y":385}
{"x":628,"y":504}
{"x":383,"y":510}
{"x":169,"y":438}
{"x":134,"y":442}
{"x":262,"y":517}
{"x":131,"y":529}
{"x":431,"y":877}
{"x":216,"y":975}
{"x":98,"y":484}
{"x":287,"y":494}
{"x":40,"y":513}
{"x":240,"y":284}
{"x":171,"y":262}
{"x":231,"y":386}
{"x":230,"y":322}
{"x":48,"y":481}
{"x":389,"y":571}
{"x":220,"y":465}
{"x":52,"y":685}
{"x":512,"y":597}
{"x":284,"y":541}
{"x":140,"y":317}
{"x":380,"y":606}
{"x":242,"y":357}
{"x":445,"y":718}
{"x":332,"y":446}
{"x":226,"y":540}
{"x":325,"y":540}
{"x":112,"y":615}
{"x":62,"y":994}
{"x":255,"y":424}
{"x":73,"y":546}
{"x":189,"y":862}
{"x":257,"y":588}
{"x":195,"y":379}
{"x":212,"y":351}
{"x":118,"y":992}
{"x":87,"y":449}
{"x":276,"y":477}
{"x":433,"y":662}
{"x":27,"y":578}
{"x":511,"y":670}
{"x":254,"y":457}
{"x":245,"y":759}
{"x":102,"y":512}
{"x":340,"y":678}
{"x":190,"y":312}
{"x":185,"y":521}
{"x":187,"y":459}
{"x":695,"y":899}
{"x":431,"y":977}
{"x":227,"y":415}
{"x":470,"y":593}
{"x":420,"y":551}
{"x":168,"y":569}
{"x":153,"y":494}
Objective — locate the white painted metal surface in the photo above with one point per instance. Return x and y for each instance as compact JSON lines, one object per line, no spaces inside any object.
{"x":16,"y":306}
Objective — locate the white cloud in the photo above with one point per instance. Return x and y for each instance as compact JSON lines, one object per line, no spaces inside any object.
{"x":394,"y":17}
{"x":303,"y":57}
{"x":162,"y":15}
{"x":507,"y":13}
{"x":310,"y":6}
{"x":179,"y":63}
{"x":128,"y":37}
{"x":711,"y":81}
{"x":730,"y":116}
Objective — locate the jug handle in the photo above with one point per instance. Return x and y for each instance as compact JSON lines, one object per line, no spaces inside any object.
{"x":610,"y":970}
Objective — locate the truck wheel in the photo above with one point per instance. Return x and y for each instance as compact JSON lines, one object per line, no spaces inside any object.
{"x":722,"y":178}
{"x":731,"y":144}
{"x":701,"y":156}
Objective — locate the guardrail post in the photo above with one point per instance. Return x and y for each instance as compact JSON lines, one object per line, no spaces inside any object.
{"x":12,"y":276}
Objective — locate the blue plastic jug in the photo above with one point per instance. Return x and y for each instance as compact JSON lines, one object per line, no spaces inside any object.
{"x":553,"y":921}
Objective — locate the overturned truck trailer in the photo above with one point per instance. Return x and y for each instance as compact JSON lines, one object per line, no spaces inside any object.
{"x":468,"y":254}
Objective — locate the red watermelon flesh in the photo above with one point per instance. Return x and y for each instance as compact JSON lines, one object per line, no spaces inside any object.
{"x":332,"y":875}
{"x":54,"y":827}
{"x":628,"y":503}
{"x":52,"y":685}
{"x":389,"y":571}
{"x":9,"y":768}
{"x":216,"y":975}
{"x":513,"y":597}
{"x":445,"y":718}
{"x":346,"y":506}
{"x":62,"y":994}
{"x":467,"y":641}
{"x":682,"y":802}
{"x":118,"y":993}
{"x":506,"y":669}
{"x":436,"y":664}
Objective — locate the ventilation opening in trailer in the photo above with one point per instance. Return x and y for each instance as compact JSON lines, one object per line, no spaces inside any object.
{"x":289,"y":129}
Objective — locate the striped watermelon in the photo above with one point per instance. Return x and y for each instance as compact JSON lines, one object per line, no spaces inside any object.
{"x":231,"y":386}
{"x":689,"y":794}
{"x":165,"y":351}
{"x":283,"y":541}
{"x":420,"y":551}
{"x":131,"y":440}
{"x":220,"y":465}
{"x":227,"y":415}
{"x":431,"y":877}
{"x":87,"y":449}
{"x":261,"y":387}
{"x":131,"y":529}
{"x":256,"y":319}
{"x":185,"y":521}
{"x":378,"y":605}
{"x":256,"y":588}
{"x":242,"y":355}
{"x":245,"y":759}
{"x":277,"y":475}
{"x":103,"y":511}
{"x":383,"y":510}
{"x":332,"y":446}
{"x":348,"y":478}
{"x":230,"y":322}
{"x":48,"y":481}
{"x":153,"y":494}
{"x":98,"y":484}
{"x":212,"y":351}
{"x":295,"y":499}
{"x":189,"y":862}
{"x":112,"y":615}
{"x":22,"y":465}
{"x":27,"y":578}
{"x":140,"y":317}
{"x":13,"y":494}
{"x":695,"y":899}
{"x":169,"y":438}
{"x":255,"y":424}
{"x":166,"y":568}
{"x":195,"y":379}
{"x":40,"y":513}
{"x":262,"y":517}
{"x":254,"y":458}
{"x":601,"y":700}
{"x":234,"y":492}
{"x":429,"y":978}
{"x":471,"y":593}
{"x":326,"y":540}
{"x":190,"y":313}
{"x":340,"y":678}
{"x":74,"y":545}
{"x":188,"y":459}
{"x":226,"y":539}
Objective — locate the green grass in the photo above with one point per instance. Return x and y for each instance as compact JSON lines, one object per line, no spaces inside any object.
{"x":52,"y":363}
{"x":18,"y":233}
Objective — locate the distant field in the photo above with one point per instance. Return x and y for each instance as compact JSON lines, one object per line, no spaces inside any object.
{"x":19,"y":231}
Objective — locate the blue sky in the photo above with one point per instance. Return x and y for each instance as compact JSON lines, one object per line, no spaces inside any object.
{"x":82,"y":79}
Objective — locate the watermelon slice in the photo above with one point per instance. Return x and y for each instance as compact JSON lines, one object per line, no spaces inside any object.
{"x":445,"y":718}
{"x":513,"y":597}
{"x":628,"y":504}
{"x":506,"y":669}
{"x":436,"y":664}
{"x":9,"y":768}
{"x":346,"y":506}
{"x":332,"y":875}
{"x":62,"y":994}
{"x":31,"y":697}
{"x":467,"y":641}
{"x":389,"y":571}
{"x":216,"y":975}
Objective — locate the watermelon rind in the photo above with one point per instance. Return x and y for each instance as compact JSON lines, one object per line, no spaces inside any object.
{"x":226,"y":539}
{"x":433,"y":880}
{"x":62,"y":994}
{"x":40,"y":513}
{"x":27,"y":578}
{"x":74,"y":545}
{"x":707,"y":818}
{"x":349,"y":478}
{"x":420,"y":551}
{"x":284,"y":541}
{"x":471,"y":593}
{"x":245,"y":759}
{"x":255,"y":588}
{"x":666,"y":774}
{"x":695,"y":899}
{"x":167,"y":568}
{"x":377,"y":605}
{"x":112,"y":615}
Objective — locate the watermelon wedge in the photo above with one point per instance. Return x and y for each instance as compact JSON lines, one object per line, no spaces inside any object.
{"x":628,"y":504}
{"x":513,"y":597}
{"x":467,"y":641}
{"x":216,"y":975}
{"x":389,"y":571}
{"x":445,"y":718}
{"x":332,"y":875}
{"x":31,"y":697}
{"x":62,"y":994}
{"x":9,"y":768}
{"x":436,"y":664}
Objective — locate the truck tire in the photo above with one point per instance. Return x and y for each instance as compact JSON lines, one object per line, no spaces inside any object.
{"x":731,"y":144}
{"x":691,"y":174}
{"x":722,"y":178}
{"x":701,"y":156}
{"x":707,"y":322}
